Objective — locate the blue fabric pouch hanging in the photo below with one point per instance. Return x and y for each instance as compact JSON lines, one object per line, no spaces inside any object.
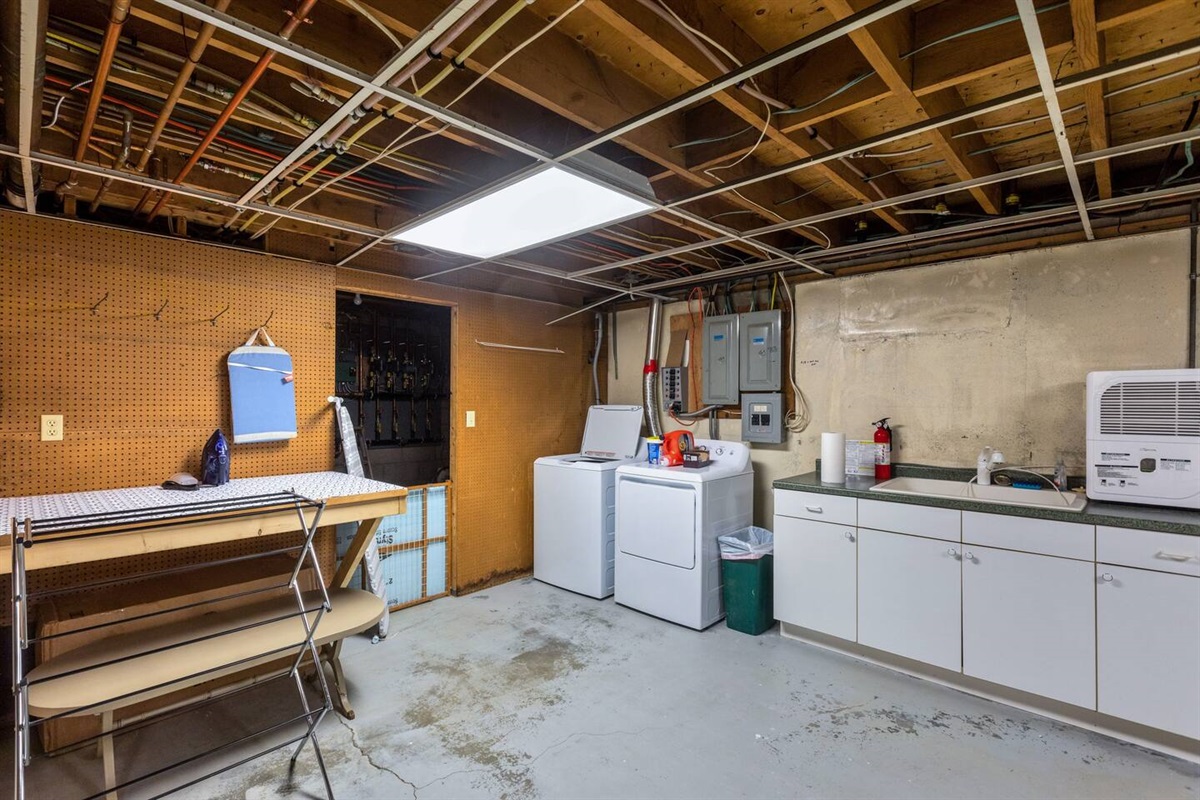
{"x":262,"y":391}
{"x":214,"y":460}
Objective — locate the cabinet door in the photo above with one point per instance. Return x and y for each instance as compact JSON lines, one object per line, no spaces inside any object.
{"x":910,"y":597}
{"x":815,"y":575}
{"x":1029,"y":622}
{"x":1148,"y":637}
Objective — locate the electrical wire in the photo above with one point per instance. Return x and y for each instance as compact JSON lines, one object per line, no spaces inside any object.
{"x":979,"y":29}
{"x":398,"y":142}
{"x":371,"y":18}
{"x":843,"y":88}
{"x":797,"y":419}
{"x":58,"y":106}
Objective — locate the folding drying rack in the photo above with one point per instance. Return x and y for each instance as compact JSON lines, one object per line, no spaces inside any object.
{"x":166,"y":657}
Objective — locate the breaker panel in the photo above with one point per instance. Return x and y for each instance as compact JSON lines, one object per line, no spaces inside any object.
{"x":720,"y":361}
{"x":762,"y":418}
{"x":761,"y":356}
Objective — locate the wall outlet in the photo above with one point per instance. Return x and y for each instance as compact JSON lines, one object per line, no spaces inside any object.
{"x":52,"y":427}
{"x":470,"y":419}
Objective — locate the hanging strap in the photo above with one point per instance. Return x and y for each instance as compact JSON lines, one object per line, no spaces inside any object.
{"x":254,"y":336}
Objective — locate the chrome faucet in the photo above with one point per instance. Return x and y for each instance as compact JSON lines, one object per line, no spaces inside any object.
{"x":989,"y":460}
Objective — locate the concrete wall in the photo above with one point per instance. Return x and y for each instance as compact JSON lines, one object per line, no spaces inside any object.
{"x":985,"y":351}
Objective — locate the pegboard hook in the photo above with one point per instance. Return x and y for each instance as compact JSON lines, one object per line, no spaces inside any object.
{"x":269,"y":318}
{"x":95,"y":308}
{"x":162,"y":308}
{"x":213,"y":321}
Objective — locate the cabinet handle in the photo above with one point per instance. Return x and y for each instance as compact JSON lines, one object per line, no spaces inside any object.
{"x":815,"y":509}
{"x":1107,"y":577}
{"x":1172,"y":556}
{"x":952,"y":553}
{"x":849,"y":536}
{"x":969,"y":556}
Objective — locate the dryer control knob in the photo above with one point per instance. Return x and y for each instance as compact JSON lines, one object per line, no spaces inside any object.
{"x":720,"y":451}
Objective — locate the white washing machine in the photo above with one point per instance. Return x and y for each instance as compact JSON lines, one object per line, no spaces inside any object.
{"x":668,"y":521}
{"x":574,"y":503}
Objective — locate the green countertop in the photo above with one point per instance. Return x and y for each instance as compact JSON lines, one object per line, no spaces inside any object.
{"x":1119,"y":515}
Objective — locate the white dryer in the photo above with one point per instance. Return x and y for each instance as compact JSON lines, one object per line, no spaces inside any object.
{"x":668,"y":520}
{"x":574,"y":503}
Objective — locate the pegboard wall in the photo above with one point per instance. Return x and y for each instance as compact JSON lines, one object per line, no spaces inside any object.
{"x":141,"y":395}
{"x":526,"y":405}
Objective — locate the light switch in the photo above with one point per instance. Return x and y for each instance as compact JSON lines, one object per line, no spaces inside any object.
{"x":470,"y":419}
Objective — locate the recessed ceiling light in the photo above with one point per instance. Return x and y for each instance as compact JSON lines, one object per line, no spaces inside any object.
{"x":541,"y":207}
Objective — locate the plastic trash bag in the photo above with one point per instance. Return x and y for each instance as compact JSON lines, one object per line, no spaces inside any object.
{"x":214,"y":460}
{"x":747,"y":544}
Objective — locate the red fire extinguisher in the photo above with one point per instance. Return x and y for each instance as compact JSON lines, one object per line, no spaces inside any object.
{"x":883,"y":450}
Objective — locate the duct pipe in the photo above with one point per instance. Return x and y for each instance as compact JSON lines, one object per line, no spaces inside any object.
{"x":650,"y":398}
{"x":10,"y":64}
{"x":122,"y":156}
{"x":260,"y":67}
{"x":117,"y":14}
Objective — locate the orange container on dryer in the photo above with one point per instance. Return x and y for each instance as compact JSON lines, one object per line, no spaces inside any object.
{"x":674,"y":443}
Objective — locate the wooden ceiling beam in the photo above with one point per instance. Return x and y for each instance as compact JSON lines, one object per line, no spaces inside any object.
{"x":1089,"y":46}
{"x":588,"y":91}
{"x":883,"y":44}
{"x":661,"y":41}
{"x":284,"y":67}
{"x":978,"y":55}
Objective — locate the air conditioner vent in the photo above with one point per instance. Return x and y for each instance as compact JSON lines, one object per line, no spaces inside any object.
{"x":1151,"y":408}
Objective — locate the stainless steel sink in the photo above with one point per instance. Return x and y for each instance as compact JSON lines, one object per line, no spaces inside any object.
{"x":1004,"y":495}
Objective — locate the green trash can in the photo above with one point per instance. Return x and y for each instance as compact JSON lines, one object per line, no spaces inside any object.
{"x":747,"y":572}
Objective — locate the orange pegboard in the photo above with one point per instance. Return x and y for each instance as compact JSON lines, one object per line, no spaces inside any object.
{"x":140,"y":394}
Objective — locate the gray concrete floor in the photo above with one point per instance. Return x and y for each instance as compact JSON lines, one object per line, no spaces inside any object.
{"x":525,"y":691}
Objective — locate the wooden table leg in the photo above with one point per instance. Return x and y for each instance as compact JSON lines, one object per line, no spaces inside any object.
{"x":331,"y":653}
{"x":106,"y":753}
{"x":354,"y":554}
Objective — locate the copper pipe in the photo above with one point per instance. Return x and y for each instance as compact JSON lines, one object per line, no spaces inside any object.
{"x":118,"y":13}
{"x":181,"y":82}
{"x":260,"y":68}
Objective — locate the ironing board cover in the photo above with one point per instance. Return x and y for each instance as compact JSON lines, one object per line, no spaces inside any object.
{"x":261,"y":391}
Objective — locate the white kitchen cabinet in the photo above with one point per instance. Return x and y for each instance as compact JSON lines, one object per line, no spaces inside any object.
{"x":909,"y":597}
{"x":1029,"y":622}
{"x":1148,"y":637}
{"x":815,"y":575}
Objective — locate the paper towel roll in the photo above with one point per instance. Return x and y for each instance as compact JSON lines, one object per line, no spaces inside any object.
{"x":833,"y":458}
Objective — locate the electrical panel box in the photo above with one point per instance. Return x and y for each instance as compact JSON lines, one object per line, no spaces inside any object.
{"x":720,"y":361}
{"x":674,"y":389}
{"x":761,"y":355}
{"x":762,"y":418}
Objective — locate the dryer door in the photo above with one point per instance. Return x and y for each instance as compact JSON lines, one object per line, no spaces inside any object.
{"x":657,"y":521}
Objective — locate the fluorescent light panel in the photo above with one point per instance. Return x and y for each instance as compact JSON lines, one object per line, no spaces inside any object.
{"x":547,"y":205}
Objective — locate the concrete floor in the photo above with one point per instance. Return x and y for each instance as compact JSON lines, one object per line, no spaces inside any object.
{"x":525,"y":691}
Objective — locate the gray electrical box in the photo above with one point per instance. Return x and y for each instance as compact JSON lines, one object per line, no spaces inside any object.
{"x":720,"y":345}
{"x":674,"y":389}
{"x":762,"y":418}
{"x":761,"y":355}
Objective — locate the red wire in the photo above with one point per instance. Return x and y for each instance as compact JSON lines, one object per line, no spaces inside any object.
{"x":234,"y":143}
